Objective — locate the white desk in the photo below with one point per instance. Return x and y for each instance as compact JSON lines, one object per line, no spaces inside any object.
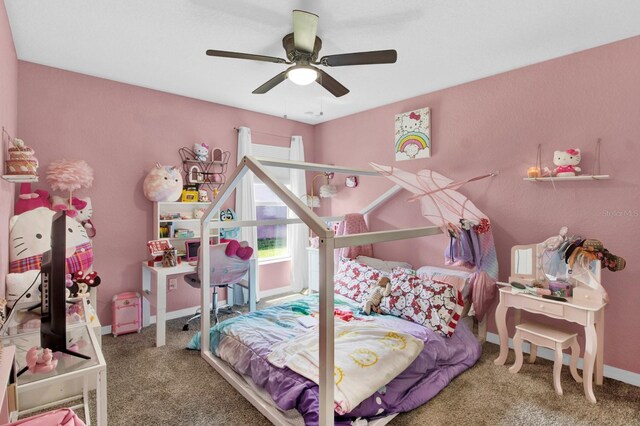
{"x":591,"y":317}
{"x":161,"y":274}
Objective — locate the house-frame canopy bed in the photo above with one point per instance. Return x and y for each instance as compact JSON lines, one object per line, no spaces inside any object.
{"x":328,"y":242}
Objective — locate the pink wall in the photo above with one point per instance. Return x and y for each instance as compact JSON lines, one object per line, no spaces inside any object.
{"x":122,"y":130}
{"x":8,"y":120}
{"x":496,"y":124}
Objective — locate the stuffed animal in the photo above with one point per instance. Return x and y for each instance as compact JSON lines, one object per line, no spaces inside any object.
{"x":201,"y":151}
{"x":381,"y":289}
{"x":62,"y":204}
{"x":40,"y":362}
{"x":79,"y":282}
{"x":566,"y":162}
{"x":30,"y":237}
{"x":84,"y":217}
{"x":24,"y":284}
{"x":228,"y":233}
{"x":198,"y":213}
{"x":28,"y":200}
{"x":163,"y":183}
{"x":203,"y":196}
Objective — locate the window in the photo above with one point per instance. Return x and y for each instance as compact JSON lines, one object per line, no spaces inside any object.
{"x":272,"y":239}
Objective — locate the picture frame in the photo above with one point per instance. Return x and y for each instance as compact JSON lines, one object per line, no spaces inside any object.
{"x":413,"y":134}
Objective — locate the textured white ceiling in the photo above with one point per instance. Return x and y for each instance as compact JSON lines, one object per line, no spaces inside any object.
{"x":161,"y":44}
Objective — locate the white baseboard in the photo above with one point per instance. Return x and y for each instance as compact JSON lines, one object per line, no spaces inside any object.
{"x":609,"y":371}
{"x":170,"y":315}
{"x":274,"y":291}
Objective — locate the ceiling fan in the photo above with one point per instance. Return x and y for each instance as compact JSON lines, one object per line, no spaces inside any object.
{"x":302,"y":47}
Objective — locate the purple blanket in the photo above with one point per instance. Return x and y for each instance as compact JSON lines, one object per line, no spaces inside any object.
{"x":245,"y":343}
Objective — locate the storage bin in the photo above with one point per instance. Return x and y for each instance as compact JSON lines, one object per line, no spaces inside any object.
{"x":127,"y":313}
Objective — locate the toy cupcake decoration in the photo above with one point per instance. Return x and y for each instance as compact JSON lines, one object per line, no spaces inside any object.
{"x":21,"y":159}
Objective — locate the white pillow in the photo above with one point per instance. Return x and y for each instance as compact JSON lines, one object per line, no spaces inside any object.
{"x":440,"y":274}
{"x":383,"y":265}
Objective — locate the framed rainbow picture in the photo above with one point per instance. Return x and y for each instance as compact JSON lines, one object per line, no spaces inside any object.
{"x":413,"y":134}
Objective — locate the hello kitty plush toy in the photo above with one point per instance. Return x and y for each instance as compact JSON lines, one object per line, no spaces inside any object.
{"x":29,"y":237}
{"x":566,"y":162}
{"x":201,"y":150}
{"x":84,"y":217}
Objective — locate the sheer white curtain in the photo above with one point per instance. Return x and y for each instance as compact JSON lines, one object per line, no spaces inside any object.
{"x":299,"y":232}
{"x":245,"y":200}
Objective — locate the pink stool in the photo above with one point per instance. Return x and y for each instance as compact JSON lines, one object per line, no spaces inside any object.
{"x":548,"y":337}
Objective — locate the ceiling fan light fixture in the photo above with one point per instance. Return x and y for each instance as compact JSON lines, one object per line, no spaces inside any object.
{"x":302,"y":75}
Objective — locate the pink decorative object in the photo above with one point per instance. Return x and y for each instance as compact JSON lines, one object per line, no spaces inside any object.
{"x":69,"y":175}
{"x":28,"y":200}
{"x":127,"y":313}
{"x":21,"y":159}
{"x":61,"y":417}
{"x":241,"y":250}
{"x":40,"y":362}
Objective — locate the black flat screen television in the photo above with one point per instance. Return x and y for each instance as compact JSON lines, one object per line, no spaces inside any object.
{"x":53,"y":324}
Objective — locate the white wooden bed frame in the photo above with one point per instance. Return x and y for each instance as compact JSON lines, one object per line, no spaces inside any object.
{"x":328,"y":243}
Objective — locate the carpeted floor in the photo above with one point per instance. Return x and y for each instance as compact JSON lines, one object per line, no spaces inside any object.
{"x":174,"y":386}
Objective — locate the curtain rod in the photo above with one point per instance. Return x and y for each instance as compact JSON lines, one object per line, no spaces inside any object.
{"x":264,"y":133}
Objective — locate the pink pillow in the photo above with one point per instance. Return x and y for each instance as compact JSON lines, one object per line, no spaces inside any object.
{"x":435,"y":305}
{"x":354,"y":279}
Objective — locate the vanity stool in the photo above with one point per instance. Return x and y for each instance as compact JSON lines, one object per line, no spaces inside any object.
{"x":548,"y":337}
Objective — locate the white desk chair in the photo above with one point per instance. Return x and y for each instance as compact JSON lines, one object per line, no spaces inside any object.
{"x":225,"y":272}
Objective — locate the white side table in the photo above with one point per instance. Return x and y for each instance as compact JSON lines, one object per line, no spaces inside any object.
{"x":69,"y":368}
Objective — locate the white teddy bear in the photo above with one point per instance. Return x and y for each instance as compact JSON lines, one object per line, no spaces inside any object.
{"x":201,"y":150}
{"x":566,"y":162}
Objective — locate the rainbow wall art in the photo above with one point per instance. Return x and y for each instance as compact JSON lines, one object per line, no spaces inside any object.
{"x":413,"y":134}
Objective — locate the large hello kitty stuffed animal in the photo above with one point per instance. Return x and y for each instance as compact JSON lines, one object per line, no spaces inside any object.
{"x":29,"y":238}
{"x":163,"y":183}
{"x":566,"y":162}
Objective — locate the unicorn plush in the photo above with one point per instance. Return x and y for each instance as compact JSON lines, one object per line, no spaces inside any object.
{"x":163,"y":183}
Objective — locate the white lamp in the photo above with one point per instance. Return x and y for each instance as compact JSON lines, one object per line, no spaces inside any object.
{"x":302,"y":75}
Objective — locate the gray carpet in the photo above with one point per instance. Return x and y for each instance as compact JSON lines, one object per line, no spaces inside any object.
{"x":173,"y":386}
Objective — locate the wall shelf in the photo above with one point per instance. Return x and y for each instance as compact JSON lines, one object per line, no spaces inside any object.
{"x":562,"y":178}
{"x":20,"y":178}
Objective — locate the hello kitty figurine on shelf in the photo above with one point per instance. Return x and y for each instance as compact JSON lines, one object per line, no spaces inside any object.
{"x":566,"y":162}
{"x":201,"y":151}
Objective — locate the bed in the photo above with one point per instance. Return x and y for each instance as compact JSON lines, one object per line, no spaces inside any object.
{"x":238,"y":350}
{"x":245,"y":343}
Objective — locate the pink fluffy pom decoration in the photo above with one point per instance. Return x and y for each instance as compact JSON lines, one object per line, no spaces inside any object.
{"x":69,"y":175}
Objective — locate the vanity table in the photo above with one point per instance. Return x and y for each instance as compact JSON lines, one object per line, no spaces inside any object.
{"x":586,"y":308}
{"x":590,"y":317}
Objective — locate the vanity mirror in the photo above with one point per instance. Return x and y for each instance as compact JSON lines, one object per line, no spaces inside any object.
{"x":523,"y":263}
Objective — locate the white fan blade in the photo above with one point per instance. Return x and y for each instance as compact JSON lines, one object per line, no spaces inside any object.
{"x":305,"y":27}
